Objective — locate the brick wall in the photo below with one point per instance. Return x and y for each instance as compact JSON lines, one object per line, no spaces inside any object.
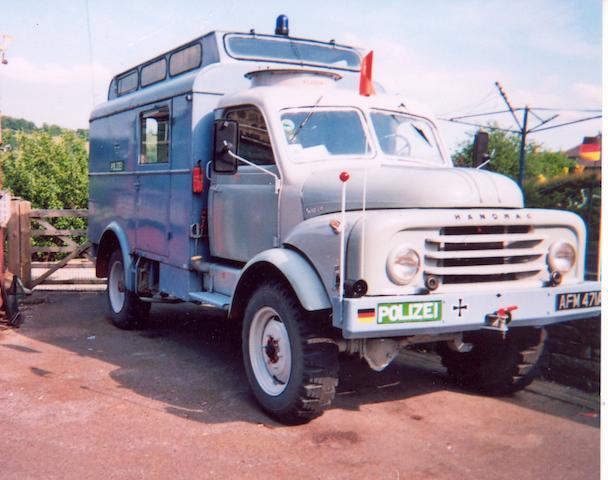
{"x":574,"y":354}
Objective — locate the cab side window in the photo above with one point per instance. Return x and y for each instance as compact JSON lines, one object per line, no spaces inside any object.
{"x":254,"y":142}
{"x":154,"y":146}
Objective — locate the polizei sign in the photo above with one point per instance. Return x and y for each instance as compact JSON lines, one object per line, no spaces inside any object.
{"x":409,"y":312}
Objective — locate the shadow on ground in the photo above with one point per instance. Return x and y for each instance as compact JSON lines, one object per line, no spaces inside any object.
{"x":189,"y":362}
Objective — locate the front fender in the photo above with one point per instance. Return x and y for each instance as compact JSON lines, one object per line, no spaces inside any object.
{"x":300,"y":274}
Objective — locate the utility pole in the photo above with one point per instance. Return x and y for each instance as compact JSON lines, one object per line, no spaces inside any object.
{"x":522,"y":148}
{"x":523,"y":133}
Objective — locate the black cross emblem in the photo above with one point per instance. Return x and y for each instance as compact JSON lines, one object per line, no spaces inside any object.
{"x":460,"y":307}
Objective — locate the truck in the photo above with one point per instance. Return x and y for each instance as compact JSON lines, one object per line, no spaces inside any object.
{"x":246,"y":172}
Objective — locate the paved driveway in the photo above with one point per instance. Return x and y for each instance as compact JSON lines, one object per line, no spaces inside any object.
{"x":81,"y":399}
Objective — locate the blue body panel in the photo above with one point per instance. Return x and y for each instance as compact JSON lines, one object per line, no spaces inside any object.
{"x":151,"y":207}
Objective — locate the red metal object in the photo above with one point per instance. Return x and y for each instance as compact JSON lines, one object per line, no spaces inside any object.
{"x":503,"y":312}
{"x":197,"y":179}
{"x":344,"y":176}
{"x":2,"y":285}
{"x":366,"y":86}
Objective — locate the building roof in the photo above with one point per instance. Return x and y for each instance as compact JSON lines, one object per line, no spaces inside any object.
{"x":574,"y":154}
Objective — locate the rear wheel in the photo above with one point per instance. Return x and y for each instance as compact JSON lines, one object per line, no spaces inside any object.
{"x":496,"y":365}
{"x":293,"y":378}
{"x":127,"y":311}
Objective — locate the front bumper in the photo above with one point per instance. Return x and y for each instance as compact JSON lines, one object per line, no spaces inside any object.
{"x":387,"y":316}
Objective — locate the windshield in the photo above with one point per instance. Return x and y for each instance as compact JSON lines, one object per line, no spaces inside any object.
{"x":291,"y":51}
{"x":406,"y":137}
{"x":319,"y":133}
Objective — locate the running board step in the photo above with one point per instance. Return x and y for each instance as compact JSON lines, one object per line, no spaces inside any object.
{"x":213,"y":299}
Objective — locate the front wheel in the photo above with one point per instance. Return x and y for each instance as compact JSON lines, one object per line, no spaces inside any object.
{"x":496,"y":365}
{"x":293,"y":378}
{"x":127,"y":311}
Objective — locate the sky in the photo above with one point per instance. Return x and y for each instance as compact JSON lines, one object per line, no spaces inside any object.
{"x":445,"y":53}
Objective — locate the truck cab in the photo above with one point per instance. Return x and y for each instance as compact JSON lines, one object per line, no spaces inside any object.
{"x":247,"y":173}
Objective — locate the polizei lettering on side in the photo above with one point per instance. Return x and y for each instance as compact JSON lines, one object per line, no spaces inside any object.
{"x":409,"y":312}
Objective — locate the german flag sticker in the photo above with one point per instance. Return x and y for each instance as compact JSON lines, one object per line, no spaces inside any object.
{"x":366,"y":315}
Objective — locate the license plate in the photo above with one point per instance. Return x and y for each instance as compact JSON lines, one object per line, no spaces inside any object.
{"x":574,"y":301}
{"x":407,"y":312}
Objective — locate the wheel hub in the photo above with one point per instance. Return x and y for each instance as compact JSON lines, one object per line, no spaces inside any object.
{"x":270,"y":351}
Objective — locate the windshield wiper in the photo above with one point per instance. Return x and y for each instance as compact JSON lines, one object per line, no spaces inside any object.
{"x":297,"y":131}
{"x":421,"y":133}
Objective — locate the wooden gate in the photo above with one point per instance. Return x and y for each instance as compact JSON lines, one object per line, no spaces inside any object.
{"x":26,"y":225}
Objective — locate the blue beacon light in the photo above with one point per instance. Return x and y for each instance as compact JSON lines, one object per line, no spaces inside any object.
{"x":282,"y":26}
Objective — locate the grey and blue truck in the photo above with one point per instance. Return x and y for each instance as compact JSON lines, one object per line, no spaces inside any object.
{"x":246,"y":173}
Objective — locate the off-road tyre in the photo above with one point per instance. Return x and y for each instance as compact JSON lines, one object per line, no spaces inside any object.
{"x":496,"y":366}
{"x":127,"y":311}
{"x":311,"y":384}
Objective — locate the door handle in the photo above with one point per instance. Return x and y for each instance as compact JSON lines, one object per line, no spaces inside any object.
{"x":208,"y":171}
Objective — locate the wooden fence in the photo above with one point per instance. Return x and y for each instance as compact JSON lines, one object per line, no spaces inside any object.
{"x":25,"y":225}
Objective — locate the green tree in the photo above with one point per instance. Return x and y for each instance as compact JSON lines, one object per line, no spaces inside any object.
{"x":19,"y":124}
{"x":53,"y":130}
{"x":9,"y":140}
{"x":83,"y":133}
{"x":505,"y":145}
{"x":50,"y":172}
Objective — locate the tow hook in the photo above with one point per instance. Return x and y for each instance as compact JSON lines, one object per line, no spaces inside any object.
{"x":499,"y":320}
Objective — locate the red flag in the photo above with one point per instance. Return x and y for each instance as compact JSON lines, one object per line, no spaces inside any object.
{"x":366,"y":86}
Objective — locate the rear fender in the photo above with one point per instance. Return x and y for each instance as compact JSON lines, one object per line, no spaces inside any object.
{"x":114,"y":237}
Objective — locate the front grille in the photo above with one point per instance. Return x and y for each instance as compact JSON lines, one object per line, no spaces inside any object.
{"x":473,"y":254}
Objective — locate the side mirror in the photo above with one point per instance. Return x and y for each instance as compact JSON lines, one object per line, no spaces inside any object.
{"x":480,"y":149}
{"x":225,"y":141}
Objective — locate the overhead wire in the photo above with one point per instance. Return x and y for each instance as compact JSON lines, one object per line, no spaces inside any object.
{"x":583,"y":110}
{"x":471,"y":106}
{"x":465,"y":115}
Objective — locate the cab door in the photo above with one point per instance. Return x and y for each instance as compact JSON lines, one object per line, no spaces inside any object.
{"x":243,"y":206}
{"x":153,"y":180}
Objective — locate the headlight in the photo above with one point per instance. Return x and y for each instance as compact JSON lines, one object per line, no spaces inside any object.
{"x":562,"y":257}
{"x":402,"y":264}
